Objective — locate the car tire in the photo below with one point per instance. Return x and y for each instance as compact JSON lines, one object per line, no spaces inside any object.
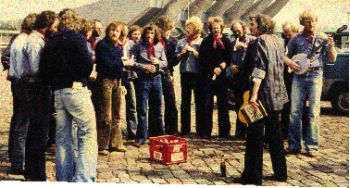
{"x":340,"y":102}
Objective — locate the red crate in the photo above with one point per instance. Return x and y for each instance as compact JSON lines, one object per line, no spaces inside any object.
{"x":168,"y":149}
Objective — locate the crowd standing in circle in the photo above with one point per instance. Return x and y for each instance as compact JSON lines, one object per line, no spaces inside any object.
{"x":103,"y":81}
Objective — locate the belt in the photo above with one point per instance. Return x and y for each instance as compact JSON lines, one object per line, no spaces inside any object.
{"x":313,"y":69}
{"x":73,"y":85}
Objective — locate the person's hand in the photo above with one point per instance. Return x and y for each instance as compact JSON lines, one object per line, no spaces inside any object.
{"x":190,"y":49}
{"x":93,"y":75}
{"x":150,"y":68}
{"x":128,"y":62}
{"x":217,"y":71}
{"x":330,"y":42}
{"x":184,"y":49}
{"x":294,"y":66}
{"x":239,"y":45}
{"x":154,"y":60}
{"x":253,"y":101}
{"x":234,"y":68}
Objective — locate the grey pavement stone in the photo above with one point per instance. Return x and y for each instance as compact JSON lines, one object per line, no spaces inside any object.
{"x":204,"y":156}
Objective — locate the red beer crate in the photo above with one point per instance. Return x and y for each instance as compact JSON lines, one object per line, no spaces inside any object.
{"x":168,"y":149}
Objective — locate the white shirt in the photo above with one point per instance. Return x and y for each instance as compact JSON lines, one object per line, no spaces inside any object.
{"x":34,"y":46}
{"x":19,"y":65}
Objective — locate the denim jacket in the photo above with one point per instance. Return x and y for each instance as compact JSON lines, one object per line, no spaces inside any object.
{"x":139,"y":52}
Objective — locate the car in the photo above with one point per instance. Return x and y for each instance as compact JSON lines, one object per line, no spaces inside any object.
{"x":336,"y":83}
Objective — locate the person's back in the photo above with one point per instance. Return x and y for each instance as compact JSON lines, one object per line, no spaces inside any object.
{"x":66,"y":65}
{"x":273,"y":87}
{"x":19,"y":67}
{"x":66,"y":53}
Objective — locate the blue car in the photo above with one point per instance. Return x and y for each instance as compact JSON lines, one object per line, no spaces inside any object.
{"x":336,"y":83}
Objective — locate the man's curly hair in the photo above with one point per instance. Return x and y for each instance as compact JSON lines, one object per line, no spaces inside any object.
{"x":215,"y":19}
{"x":69,"y":19}
{"x":197,"y":24}
{"x":45,"y":19}
{"x":150,"y":27}
{"x":265,"y":23}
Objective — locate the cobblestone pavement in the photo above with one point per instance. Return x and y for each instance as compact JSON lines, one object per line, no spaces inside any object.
{"x":203,"y":164}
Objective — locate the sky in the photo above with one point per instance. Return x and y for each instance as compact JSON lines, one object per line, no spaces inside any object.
{"x":18,"y":9}
{"x":332,"y":13}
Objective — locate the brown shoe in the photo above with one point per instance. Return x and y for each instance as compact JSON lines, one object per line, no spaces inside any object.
{"x":103,"y":152}
{"x":119,"y":149}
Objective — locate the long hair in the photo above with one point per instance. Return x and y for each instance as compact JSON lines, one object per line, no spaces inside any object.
{"x":45,"y":19}
{"x":112,"y":26}
{"x":265,"y":23}
{"x":150,"y":27}
{"x":28,"y":23}
{"x":69,"y":19}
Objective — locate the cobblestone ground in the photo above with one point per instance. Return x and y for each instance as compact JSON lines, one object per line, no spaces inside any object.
{"x":203,"y":164}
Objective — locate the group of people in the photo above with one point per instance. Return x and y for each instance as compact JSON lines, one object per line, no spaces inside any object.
{"x":100,"y":82}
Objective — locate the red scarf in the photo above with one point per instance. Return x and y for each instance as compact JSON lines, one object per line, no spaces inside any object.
{"x":310,"y":38}
{"x":190,"y":40}
{"x":161,"y":40}
{"x":150,"y":50}
{"x":218,"y":41}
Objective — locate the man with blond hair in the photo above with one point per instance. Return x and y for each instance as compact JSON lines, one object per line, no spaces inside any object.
{"x":215,"y":54}
{"x":66,"y":65}
{"x":307,"y":85}
{"x":187,"y":53}
{"x":289,"y":31}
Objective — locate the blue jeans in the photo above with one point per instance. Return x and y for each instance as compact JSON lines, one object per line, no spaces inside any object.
{"x":75,"y":105}
{"x":149,"y":89}
{"x":305,"y":86}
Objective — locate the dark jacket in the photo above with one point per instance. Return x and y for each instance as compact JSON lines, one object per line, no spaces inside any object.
{"x":170,"y":48}
{"x":210,"y":57}
{"x":108,"y":60}
{"x":243,"y":76}
{"x":65,"y":59}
